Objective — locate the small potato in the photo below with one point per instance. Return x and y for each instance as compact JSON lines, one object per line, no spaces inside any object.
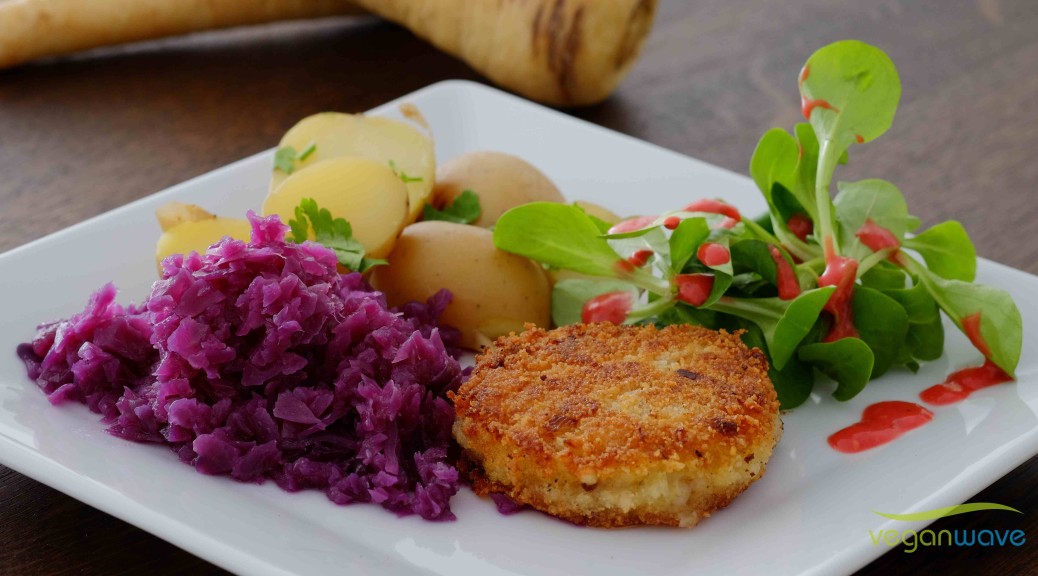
{"x":494,"y":292}
{"x":338,"y":135}
{"x":197,"y":235}
{"x":365,"y":192}
{"x":501,"y":181}
{"x":171,"y":214}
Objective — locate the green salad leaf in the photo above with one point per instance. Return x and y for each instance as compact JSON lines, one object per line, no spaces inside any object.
{"x":1001,"y":326}
{"x":948,"y":251}
{"x":564,"y":236}
{"x":789,"y":272}
{"x":925,"y":337}
{"x":794,"y":382}
{"x":884,"y":276}
{"x":850,"y":92}
{"x":774,"y":161}
{"x":783,"y":323}
{"x":848,"y":361}
{"x":882,"y":324}
{"x":559,"y":235}
{"x":873,"y":200}
{"x":685,"y":240}
{"x":807,"y":164}
{"x":569,"y":296}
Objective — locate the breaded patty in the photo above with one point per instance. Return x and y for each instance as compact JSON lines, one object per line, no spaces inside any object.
{"x":606,"y":425}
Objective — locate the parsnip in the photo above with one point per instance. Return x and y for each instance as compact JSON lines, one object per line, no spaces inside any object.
{"x":567,"y":53}
{"x":32,"y":29}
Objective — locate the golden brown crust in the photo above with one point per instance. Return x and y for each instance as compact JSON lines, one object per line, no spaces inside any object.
{"x":618,"y":412}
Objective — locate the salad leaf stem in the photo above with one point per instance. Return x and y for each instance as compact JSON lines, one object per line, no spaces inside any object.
{"x":647,"y":281}
{"x":795,"y":246}
{"x":817,"y":264}
{"x":649,"y":310}
{"x":870,"y":261}
{"x":828,"y":156}
{"x":919,"y":271}
{"x":745,"y":308}
{"x":792,"y":244}
{"x":760,"y":232}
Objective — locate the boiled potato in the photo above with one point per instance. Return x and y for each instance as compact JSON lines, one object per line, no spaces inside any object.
{"x":337,"y":135}
{"x":501,"y":181}
{"x":494,"y":292}
{"x":197,"y":235}
{"x":173,"y":213}
{"x":365,"y":192}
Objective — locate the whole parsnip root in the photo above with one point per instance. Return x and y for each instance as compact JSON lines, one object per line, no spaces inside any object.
{"x":562,"y":52}
{"x":32,"y":29}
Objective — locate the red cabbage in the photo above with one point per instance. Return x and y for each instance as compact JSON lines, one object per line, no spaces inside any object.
{"x":259,"y":360}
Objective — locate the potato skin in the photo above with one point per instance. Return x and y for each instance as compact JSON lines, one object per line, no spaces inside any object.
{"x":494,"y":292}
{"x":501,"y":181}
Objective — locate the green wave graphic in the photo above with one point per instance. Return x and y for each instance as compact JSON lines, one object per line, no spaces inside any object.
{"x":948,"y":511}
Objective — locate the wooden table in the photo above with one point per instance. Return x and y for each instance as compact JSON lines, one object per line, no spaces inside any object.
{"x":80,"y":137}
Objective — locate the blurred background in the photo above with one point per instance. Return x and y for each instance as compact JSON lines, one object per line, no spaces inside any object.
{"x":83,"y":134}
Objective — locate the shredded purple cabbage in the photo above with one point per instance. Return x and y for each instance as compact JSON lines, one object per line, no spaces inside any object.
{"x":505,"y":505}
{"x":259,"y":360}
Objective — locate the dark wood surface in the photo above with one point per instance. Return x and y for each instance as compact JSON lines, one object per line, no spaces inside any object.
{"x":81,"y":136}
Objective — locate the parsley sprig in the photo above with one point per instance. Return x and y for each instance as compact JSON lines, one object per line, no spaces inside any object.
{"x":403,"y":175}
{"x":286,"y":157}
{"x":334,"y":233}
{"x":465,"y":209}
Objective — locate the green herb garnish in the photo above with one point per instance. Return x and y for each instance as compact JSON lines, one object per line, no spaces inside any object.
{"x":334,"y":233}
{"x":465,"y":209}
{"x":403,"y":176}
{"x":308,"y":151}
{"x":847,"y":291}
{"x":286,"y":157}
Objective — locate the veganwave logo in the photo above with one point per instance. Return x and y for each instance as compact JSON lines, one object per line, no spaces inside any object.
{"x":913,"y":539}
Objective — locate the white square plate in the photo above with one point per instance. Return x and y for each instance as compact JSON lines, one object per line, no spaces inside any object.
{"x":810,"y":514}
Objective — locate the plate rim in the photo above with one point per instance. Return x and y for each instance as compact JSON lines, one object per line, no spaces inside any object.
{"x":41,"y":468}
